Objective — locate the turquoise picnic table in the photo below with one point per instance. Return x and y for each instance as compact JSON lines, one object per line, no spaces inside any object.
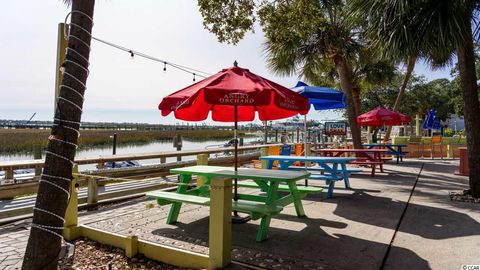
{"x":329,"y":165}
{"x":263,"y":205}
{"x":393,"y":149}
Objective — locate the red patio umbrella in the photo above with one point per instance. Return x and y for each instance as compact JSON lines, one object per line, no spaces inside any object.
{"x":230,"y":89}
{"x":234,"y":95}
{"x":382,"y":117}
{"x":405,"y":118}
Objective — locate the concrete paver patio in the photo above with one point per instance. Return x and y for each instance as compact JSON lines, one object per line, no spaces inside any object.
{"x":357,"y":229}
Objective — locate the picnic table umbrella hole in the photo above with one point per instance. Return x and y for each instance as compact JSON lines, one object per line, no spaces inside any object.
{"x":234,"y":95}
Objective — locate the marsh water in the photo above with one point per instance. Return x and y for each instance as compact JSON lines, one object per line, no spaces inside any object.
{"x":157,"y":146}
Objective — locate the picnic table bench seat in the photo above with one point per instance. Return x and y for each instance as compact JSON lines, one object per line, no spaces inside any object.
{"x":403,"y":153}
{"x":393,"y":149}
{"x":301,"y":189}
{"x":372,"y":163}
{"x":395,"y":153}
{"x":399,"y":155}
{"x":255,"y":209}
{"x":164,"y":197}
{"x":318,"y":169}
{"x":326,"y":177}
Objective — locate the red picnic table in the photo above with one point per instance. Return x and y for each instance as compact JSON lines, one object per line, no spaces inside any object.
{"x":370,"y":157}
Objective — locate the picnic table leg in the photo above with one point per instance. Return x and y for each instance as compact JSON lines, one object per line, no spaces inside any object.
{"x":284,"y":164}
{"x":175,"y":209}
{"x":220,"y":228}
{"x":397,"y":155}
{"x":345,"y":175}
{"x":331,"y":185}
{"x":270,"y":164}
{"x":333,"y":171}
{"x":265,"y":222}
{"x":297,"y":201}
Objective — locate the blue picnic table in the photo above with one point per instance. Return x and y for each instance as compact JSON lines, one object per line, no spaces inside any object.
{"x":329,"y":166}
{"x":393,"y":149}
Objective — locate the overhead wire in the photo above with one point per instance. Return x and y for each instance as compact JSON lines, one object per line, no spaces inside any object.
{"x":194,"y":72}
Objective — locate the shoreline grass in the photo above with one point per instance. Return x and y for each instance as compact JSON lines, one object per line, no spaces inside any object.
{"x":23,"y":140}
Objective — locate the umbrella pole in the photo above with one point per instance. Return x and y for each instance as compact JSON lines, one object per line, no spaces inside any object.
{"x":235,"y":161}
{"x":236,"y":218}
{"x":305,"y":144}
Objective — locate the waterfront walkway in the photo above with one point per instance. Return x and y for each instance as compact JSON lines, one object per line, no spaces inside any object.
{"x":380,"y":223}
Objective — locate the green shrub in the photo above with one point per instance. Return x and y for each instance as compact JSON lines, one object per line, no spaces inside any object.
{"x":448,"y":132}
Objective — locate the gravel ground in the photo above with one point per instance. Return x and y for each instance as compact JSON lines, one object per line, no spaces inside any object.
{"x":463,"y":196}
{"x":92,"y":255}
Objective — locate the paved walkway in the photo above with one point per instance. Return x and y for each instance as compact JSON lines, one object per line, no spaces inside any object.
{"x":13,"y":241}
{"x":444,"y":233}
{"x":353,"y":230}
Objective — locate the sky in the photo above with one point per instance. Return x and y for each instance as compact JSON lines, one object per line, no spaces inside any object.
{"x":121,"y":89}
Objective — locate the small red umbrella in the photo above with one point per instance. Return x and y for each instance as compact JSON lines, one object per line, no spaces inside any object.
{"x":405,"y":118}
{"x":382,"y":117}
{"x":234,"y":95}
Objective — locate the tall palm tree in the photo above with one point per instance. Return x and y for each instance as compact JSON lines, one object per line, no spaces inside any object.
{"x":307,"y":37}
{"x":368,"y":73}
{"x":447,"y":26}
{"x":44,"y":242}
{"x":392,"y":33}
{"x":410,"y":65}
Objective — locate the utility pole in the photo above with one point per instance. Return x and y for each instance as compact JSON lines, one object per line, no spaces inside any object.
{"x":62,"y":44}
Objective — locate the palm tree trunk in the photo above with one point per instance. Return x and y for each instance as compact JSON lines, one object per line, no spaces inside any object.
{"x":471,"y":108}
{"x":44,"y":242}
{"x":346,"y":83}
{"x":357,"y":104}
{"x":401,"y":92}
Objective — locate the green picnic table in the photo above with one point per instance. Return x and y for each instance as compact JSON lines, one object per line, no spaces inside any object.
{"x":262,"y":206}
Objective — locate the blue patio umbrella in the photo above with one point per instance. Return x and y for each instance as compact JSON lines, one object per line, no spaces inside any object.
{"x":322,"y":98}
{"x":432,"y":121}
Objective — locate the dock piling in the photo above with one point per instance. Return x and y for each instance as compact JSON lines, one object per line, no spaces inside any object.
{"x":37,"y":154}
{"x":92,"y":196}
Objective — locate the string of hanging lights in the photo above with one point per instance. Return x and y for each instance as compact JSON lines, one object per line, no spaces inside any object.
{"x":133,"y":53}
